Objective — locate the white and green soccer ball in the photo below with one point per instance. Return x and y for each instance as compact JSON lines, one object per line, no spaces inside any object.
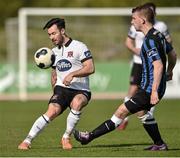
{"x":44,"y":58}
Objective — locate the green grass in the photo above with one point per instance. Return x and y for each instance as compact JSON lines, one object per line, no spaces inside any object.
{"x":16,"y":118}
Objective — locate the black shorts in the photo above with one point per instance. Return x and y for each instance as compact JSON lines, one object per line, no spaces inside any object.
{"x":64,"y":96}
{"x":140,"y":101}
{"x":136,"y":74}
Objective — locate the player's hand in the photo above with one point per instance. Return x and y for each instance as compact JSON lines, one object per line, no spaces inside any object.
{"x":169,"y":76}
{"x":154,"y":97}
{"x":67,"y":80}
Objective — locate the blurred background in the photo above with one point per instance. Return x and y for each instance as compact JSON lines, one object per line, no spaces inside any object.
{"x":104,"y":36}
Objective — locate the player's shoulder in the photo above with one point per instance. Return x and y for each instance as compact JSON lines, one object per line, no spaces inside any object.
{"x":160,"y":25}
{"x":154,"y":35}
{"x":158,"y":22}
{"x":78,"y":44}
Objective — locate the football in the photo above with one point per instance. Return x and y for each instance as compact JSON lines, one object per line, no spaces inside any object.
{"x":44,"y":58}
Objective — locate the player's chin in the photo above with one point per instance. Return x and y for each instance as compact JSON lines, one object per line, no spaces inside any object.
{"x":55,"y":42}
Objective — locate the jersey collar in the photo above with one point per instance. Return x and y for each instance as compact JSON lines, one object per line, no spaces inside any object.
{"x":67,"y":43}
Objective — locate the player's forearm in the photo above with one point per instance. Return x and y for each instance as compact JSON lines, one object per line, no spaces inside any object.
{"x":158,"y":70}
{"x":172,"y":57}
{"x":85,"y":71}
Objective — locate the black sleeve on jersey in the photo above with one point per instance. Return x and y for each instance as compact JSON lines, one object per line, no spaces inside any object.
{"x":90,"y":57}
{"x":131,"y":37}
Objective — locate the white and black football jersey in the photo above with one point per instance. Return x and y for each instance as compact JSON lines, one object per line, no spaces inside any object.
{"x":69,"y":58}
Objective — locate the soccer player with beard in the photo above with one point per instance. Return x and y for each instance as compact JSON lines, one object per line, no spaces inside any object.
{"x":70,"y":81}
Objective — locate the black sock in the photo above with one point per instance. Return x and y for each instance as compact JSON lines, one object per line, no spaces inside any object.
{"x":153,"y":131}
{"x":104,"y":128}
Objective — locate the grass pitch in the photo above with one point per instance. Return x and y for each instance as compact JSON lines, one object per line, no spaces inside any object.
{"x":16,"y":119}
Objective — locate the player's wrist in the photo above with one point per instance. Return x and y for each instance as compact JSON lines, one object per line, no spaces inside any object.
{"x":154,"y":90}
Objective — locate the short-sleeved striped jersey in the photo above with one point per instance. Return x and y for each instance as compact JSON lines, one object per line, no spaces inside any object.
{"x":155,"y":47}
{"x":69,"y":58}
{"x":139,"y":36}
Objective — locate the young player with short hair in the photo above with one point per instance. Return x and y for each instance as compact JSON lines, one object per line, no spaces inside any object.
{"x":134,"y":42}
{"x":154,"y":76}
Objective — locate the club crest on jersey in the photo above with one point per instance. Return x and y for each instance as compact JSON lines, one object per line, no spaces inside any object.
{"x":152,"y":52}
{"x":69,"y":54}
{"x":64,"y":65}
{"x":87,"y":53}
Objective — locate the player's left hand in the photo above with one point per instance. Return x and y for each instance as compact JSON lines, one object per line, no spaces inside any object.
{"x":154,"y":97}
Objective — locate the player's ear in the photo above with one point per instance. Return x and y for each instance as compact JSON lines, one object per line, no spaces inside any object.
{"x":143,"y":21}
{"x":62,"y":31}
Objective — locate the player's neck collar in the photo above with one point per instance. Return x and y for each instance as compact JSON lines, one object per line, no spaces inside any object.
{"x":66,"y":44}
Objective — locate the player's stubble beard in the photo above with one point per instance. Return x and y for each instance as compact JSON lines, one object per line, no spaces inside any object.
{"x":61,"y":42}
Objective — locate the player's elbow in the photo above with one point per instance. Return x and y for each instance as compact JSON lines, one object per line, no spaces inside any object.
{"x":92,"y":70}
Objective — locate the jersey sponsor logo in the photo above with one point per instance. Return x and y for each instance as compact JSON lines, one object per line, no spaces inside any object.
{"x":152,"y":52}
{"x":87,"y":54}
{"x":64,"y":65}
